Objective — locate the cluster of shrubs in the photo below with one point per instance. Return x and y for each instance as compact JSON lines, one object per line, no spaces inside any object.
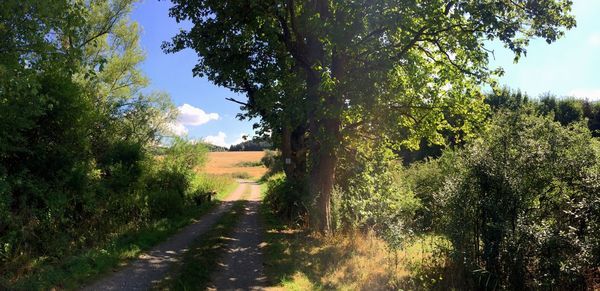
{"x":44,"y":216}
{"x":272,"y":161}
{"x":563,"y":110}
{"x":80,"y":161}
{"x":519,"y":204}
{"x":286,"y":199}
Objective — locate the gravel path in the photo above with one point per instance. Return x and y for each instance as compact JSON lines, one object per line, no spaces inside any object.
{"x":241,"y":268}
{"x":152,"y":266}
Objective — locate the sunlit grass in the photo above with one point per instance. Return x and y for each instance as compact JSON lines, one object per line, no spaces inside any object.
{"x":249,"y":164}
{"x":297,"y":259}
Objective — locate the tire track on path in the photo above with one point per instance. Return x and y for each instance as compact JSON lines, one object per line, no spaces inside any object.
{"x":242,"y":268}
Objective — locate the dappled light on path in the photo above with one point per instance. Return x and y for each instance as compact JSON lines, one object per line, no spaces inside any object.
{"x":242,"y":266}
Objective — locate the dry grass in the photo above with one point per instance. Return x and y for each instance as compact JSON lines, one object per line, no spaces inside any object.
{"x":231,"y":163}
{"x":298,"y":260}
{"x":338,"y":262}
{"x":351,"y":261}
{"x":364,"y":263}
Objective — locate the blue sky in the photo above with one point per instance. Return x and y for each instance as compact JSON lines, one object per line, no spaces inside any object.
{"x":206,"y":113}
{"x":569,"y":67}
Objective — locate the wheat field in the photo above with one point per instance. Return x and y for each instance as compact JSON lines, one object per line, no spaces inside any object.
{"x":231,"y":162}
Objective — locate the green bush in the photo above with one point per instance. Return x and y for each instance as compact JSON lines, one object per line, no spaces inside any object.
{"x":184,"y":156}
{"x":519,"y":203}
{"x":272,"y":160}
{"x":74,"y":138}
{"x":426,"y":180}
{"x":166,"y":193}
{"x":175,"y":184}
{"x":122,"y":163}
{"x":46,"y":194}
{"x":285,"y":198}
{"x":249,"y":164}
{"x":74,"y":205}
{"x":204,"y":184}
{"x":241,"y":175}
{"x":372,"y":193}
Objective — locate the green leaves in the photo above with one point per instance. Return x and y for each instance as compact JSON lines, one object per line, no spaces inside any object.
{"x":184,"y":156}
{"x":74,"y":127}
{"x":516,"y":198}
{"x":390,"y":70}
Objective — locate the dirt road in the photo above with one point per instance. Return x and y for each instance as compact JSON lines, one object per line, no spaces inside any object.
{"x":241,"y":268}
{"x":152,"y":266}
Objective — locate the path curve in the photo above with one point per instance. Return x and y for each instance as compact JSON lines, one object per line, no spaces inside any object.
{"x":241,"y":268}
{"x":152,"y":266}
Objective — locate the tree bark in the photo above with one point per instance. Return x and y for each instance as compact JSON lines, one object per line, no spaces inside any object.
{"x":322,"y":174}
{"x":293,"y":153}
{"x":324,"y":127}
{"x":286,"y":150}
{"x":324,"y":109}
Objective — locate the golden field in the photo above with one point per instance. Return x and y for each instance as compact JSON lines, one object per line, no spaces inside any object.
{"x":230,"y":162}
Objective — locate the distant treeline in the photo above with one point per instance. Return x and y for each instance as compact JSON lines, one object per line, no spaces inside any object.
{"x":162,"y":149}
{"x":250,"y":145}
{"x":215,"y":148}
{"x":565,"y":110}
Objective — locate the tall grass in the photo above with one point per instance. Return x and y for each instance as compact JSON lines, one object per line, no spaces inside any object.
{"x":249,"y":164}
{"x":221,"y":184}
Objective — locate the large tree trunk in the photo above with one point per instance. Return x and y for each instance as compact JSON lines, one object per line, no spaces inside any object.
{"x":325,"y":108}
{"x":322,"y":175}
{"x":324,"y":126}
{"x":321,"y":161}
{"x":293,"y":153}
{"x":286,"y":150}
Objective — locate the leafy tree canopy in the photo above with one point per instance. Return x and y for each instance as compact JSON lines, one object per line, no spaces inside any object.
{"x":393,"y":70}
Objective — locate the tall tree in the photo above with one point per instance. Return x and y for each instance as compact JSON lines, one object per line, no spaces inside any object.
{"x":392,"y":70}
{"x":111,"y":76}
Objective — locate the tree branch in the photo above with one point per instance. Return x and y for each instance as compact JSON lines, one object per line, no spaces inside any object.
{"x":454,"y":64}
{"x":112,"y":20}
{"x":375,"y":32}
{"x":238,"y":102}
{"x":295,"y":45}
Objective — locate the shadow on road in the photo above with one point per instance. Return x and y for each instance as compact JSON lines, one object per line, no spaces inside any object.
{"x":241,"y":267}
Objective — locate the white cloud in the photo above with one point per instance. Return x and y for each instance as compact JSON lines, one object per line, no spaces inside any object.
{"x":190,"y":115}
{"x":590,"y":94}
{"x":594,"y":39}
{"x":177,"y":128}
{"x":218,"y":140}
